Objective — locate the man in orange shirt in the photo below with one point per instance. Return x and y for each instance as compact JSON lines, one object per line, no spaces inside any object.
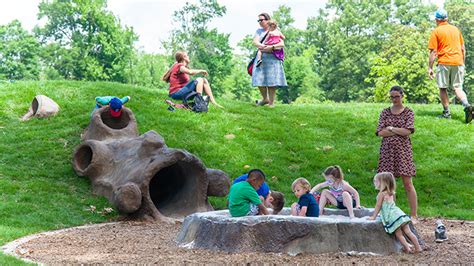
{"x":447,"y":44}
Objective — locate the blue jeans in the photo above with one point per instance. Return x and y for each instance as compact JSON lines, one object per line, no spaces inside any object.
{"x":190,"y":87}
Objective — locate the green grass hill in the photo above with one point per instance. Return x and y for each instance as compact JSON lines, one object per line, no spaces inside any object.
{"x":40,"y":191}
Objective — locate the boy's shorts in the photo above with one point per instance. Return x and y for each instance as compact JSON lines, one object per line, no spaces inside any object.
{"x":340,"y":204}
{"x":253,"y":210}
{"x":449,"y":76}
{"x":190,"y":87}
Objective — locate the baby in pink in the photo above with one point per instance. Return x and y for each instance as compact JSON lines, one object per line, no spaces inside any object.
{"x":274,"y":37}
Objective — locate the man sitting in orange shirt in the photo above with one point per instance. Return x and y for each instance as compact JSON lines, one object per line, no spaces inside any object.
{"x":447,"y":44}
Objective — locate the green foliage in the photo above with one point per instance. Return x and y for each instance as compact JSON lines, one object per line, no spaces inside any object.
{"x":40,"y":190}
{"x":207,"y":48}
{"x":238,"y":84}
{"x":147,"y":70}
{"x":19,"y":53}
{"x":85,"y":41}
{"x":402,"y":61}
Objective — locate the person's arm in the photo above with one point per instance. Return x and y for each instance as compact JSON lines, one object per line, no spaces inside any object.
{"x":463,"y":50}
{"x":262,"y":209}
{"x":378,"y":206}
{"x":319,"y":186}
{"x":354,"y":192}
{"x":399,"y":131}
{"x":273,"y":47}
{"x":256,"y":42}
{"x":192,"y":72}
{"x":431,"y":62}
{"x":303,"y":210}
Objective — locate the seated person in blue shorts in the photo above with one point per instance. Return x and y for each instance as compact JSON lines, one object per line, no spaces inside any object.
{"x":181,"y":85}
{"x":270,"y":199}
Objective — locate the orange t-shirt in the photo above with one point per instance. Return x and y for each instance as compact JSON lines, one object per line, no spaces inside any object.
{"x":447,"y":41}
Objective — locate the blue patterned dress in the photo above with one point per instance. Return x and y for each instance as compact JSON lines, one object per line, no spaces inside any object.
{"x":270,"y":73}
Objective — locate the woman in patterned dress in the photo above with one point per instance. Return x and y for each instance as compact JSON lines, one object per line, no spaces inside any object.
{"x":271,"y":74}
{"x":396,"y":124}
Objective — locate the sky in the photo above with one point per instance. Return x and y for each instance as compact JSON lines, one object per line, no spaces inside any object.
{"x":152,"y":19}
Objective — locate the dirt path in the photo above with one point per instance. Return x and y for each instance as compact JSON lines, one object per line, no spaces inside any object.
{"x":140,"y":243}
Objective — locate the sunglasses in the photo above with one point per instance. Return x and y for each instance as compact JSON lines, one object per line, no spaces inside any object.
{"x":260,"y":20}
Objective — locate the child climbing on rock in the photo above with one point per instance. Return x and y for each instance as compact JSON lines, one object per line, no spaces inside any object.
{"x":115,"y":104}
{"x":306,"y":205}
{"x":270,"y":199}
{"x":340,"y":194}
{"x":394,"y":220}
{"x":243,"y":199}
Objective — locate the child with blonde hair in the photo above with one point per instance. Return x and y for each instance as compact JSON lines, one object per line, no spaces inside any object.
{"x":340,"y":193}
{"x":306,"y":205}
{"x":394,"y":220}
{"x":274,"y":37}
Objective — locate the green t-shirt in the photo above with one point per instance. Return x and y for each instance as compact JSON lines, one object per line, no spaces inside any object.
{"x":240,"y":196}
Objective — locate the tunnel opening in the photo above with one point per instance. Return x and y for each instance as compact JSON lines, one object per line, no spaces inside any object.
{"x":173,"y":189}
{"x":115,"y":122}
{"x":34,"y":105}
{"x":83,"y":157}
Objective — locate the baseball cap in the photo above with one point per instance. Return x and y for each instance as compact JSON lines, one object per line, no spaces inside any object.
{"x":115,"y":106}
{"x":441,"y":14}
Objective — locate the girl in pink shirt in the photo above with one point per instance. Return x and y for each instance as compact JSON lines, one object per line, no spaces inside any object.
{"x":274,"y":37}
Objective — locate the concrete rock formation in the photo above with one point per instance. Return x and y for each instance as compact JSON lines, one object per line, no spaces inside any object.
{"x":140,"y":175}
{"x":41,"y":106}
{"x":333,"y":232}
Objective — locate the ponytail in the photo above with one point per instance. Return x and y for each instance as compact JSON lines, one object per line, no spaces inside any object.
{"x":166,"y":77}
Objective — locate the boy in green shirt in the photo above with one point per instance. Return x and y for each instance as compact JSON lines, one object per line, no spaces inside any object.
{"x":243,"y":197}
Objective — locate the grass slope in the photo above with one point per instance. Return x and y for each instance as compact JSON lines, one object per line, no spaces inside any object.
{"x":40,"y":191}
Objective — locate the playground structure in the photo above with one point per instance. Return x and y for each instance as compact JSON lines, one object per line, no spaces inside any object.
{"x":142,"y":177}
{"x":332,"y":232}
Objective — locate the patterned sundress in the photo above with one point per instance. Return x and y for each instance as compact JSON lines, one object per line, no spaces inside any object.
{"x":396,"y":155}
{"x":392,"y":216}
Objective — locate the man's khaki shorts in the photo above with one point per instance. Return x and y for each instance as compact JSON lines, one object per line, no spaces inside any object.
{"x":450,"y":77}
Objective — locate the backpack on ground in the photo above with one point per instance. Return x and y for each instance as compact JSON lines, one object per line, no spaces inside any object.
{"x":198,"y":104}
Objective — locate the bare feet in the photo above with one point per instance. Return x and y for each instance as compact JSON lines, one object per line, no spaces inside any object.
{"x":408,"y":249}
{"x":219,"y":106}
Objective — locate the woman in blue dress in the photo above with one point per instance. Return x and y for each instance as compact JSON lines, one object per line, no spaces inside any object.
{"x":270,"y":75}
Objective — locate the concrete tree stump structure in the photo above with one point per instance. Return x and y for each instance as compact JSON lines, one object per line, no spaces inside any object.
{"x":41,"y":106}
{"x":331,"y":233}
{"x":140,"y":175}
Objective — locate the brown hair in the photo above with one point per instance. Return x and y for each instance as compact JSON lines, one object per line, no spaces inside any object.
{"x":303,"y":182}
{"x":334,"y":171}
{"x":397,"y":88}
{"x":179,"y":57}
{"x":387,"y":182}
{"x":265,"y":15}
{"x":278,"y":201}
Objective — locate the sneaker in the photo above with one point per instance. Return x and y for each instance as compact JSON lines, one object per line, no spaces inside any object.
{"x":259,"y":62}
{"x":468,"y":114}
{"x":445,"y":114}
{"x":440,"y":232}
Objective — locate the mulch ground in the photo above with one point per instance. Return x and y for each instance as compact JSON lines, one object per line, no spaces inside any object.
{"x":149,"y":243}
